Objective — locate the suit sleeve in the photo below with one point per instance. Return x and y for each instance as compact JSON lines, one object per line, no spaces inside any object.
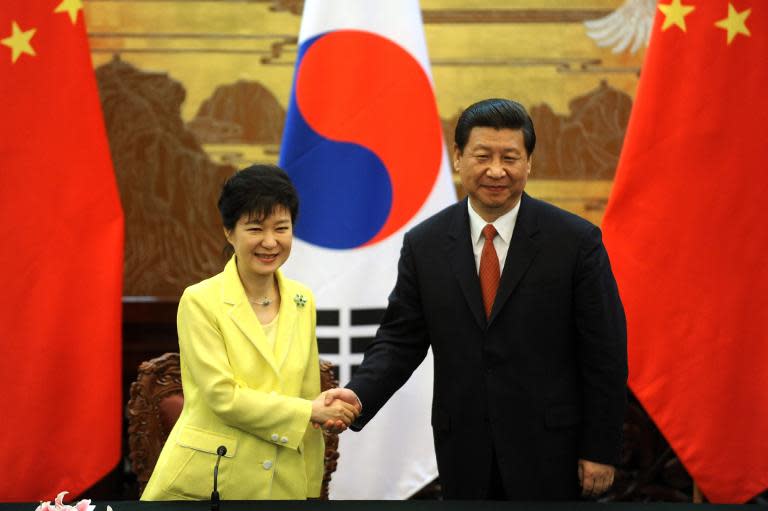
{"x":602,"y":352}
{"x":259,"y":413}
{"x":314,"y":443}
{"x":400,"y":345}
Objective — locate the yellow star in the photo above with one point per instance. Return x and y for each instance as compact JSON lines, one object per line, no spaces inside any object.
{"x":674,"y":14}
{"x":18,"y":41}
{"x":71,"y":7}
{"x":735,"y":23}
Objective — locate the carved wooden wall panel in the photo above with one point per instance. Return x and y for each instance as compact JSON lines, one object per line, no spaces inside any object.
{"x":168,"y":185}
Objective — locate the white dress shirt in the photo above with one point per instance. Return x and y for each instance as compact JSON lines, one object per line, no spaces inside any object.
{"x":505,"y":226}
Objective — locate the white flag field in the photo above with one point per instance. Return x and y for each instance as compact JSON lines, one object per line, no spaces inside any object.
{"x":364,"y":147}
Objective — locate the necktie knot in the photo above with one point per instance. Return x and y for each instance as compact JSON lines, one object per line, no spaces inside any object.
{"x":489,"y":232}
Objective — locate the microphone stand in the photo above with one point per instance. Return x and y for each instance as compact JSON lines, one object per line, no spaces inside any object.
{"x":215,"y":500}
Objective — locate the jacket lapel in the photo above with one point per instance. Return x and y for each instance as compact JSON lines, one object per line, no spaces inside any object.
{"x":243,"y":316}
{"x":462,"y":261}
{"x":287,"y":321}
{"x":522,"y":250}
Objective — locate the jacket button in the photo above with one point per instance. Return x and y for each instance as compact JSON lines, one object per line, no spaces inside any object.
{"x":274,"y":437}
{"x":267,"y":464}
{"x":284,"y":440}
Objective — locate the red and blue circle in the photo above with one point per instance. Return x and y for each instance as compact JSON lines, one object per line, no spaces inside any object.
{"x":363,"y":140}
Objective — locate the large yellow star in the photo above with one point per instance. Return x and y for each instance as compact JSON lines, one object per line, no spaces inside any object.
{"x":18,"y":41}
{"x":735,"y":23}
{"x":674,"y":14}
{"x":71,"y":7}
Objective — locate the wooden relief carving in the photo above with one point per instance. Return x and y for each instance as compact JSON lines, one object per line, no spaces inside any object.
{"x":585,"y":144}
{"x":243,"y":112}
{"x":168,"y":185}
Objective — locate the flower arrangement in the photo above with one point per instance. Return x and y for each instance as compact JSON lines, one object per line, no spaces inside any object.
{"x":58,"y":505}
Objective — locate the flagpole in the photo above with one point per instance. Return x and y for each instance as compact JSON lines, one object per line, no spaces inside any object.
{"x":698,"y":497}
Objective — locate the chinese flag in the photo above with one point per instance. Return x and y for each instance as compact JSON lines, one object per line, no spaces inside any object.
{"x":61,"y":227}
{"x":686,"y":231}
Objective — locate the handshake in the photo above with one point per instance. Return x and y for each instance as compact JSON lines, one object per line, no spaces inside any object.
{"x":335,"y":409}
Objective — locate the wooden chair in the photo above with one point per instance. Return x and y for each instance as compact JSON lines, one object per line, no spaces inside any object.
{"x":155,"y":405}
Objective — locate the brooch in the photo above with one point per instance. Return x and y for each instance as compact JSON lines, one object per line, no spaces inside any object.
{"x":300,"y":300}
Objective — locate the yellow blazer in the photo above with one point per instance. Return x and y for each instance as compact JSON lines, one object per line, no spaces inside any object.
{"x":240,"y":393}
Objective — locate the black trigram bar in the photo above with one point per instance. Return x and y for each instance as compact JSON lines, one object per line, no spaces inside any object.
{"x":328,"y":317}
{"x":362,"y":317}
{"x":329,"y":345}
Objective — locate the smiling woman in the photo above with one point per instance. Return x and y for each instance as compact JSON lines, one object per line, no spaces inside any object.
{"x":261,"y":246}
{"x":258,"y":207}
{"x":249,"y":362}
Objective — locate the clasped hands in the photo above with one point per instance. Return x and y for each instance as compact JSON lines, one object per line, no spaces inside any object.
{"x":335,"y":409}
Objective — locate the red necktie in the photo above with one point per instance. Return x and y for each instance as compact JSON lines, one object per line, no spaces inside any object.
{"x":489,"y":269}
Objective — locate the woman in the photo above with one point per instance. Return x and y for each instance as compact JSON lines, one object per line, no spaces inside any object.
{"x":249,"y":363}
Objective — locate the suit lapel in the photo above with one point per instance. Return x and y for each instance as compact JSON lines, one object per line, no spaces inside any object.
{"x":287,"y":321}
{"x":462,"y":261}
{"x":243,"y":316}
{"x":522,"y":250}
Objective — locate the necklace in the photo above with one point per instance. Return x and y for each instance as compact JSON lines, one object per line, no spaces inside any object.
{"x":264,"y":302}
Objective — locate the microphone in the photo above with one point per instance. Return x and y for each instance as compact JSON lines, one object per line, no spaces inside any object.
{"x":221,"y":451}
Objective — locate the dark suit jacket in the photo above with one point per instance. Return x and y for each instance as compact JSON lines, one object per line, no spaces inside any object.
{"x":541,"y":383}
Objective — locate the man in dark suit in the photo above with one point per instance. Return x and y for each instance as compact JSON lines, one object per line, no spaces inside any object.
{"x":525,"y":323}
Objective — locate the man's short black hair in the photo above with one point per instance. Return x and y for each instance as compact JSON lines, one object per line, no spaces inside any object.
{"x":499,"y":114}
{"x":257,"y":191}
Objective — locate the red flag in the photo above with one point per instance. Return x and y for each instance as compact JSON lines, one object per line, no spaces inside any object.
{"x":685,"y":232}
{"x":61,"y":227}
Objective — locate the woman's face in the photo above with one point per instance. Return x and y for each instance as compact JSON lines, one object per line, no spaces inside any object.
{"x":262,"y":246}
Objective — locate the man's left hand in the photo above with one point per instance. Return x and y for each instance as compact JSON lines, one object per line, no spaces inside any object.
{"x":595,"y":478}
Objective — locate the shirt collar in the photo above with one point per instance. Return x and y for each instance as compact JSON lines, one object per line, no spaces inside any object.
{"x":504,"y":225}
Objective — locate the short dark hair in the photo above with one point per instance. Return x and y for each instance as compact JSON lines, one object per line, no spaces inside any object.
{"x":257,"y":191}
{"x":499,"y":114}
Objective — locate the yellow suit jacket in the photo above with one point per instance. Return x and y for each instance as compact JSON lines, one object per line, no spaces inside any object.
{"x":241,"y":393}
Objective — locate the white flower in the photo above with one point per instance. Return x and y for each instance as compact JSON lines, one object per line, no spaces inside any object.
{"x":60,"y":506}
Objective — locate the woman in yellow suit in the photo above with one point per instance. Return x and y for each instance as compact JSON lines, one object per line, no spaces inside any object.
{"x":249,"y":363}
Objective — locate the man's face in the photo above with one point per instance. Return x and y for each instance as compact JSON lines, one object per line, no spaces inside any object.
{"x":494,"y":168}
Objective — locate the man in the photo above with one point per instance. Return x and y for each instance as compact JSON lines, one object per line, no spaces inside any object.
{"x":525,"y":323}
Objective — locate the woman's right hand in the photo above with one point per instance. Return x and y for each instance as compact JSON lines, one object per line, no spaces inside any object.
{"x":338,"y":410}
